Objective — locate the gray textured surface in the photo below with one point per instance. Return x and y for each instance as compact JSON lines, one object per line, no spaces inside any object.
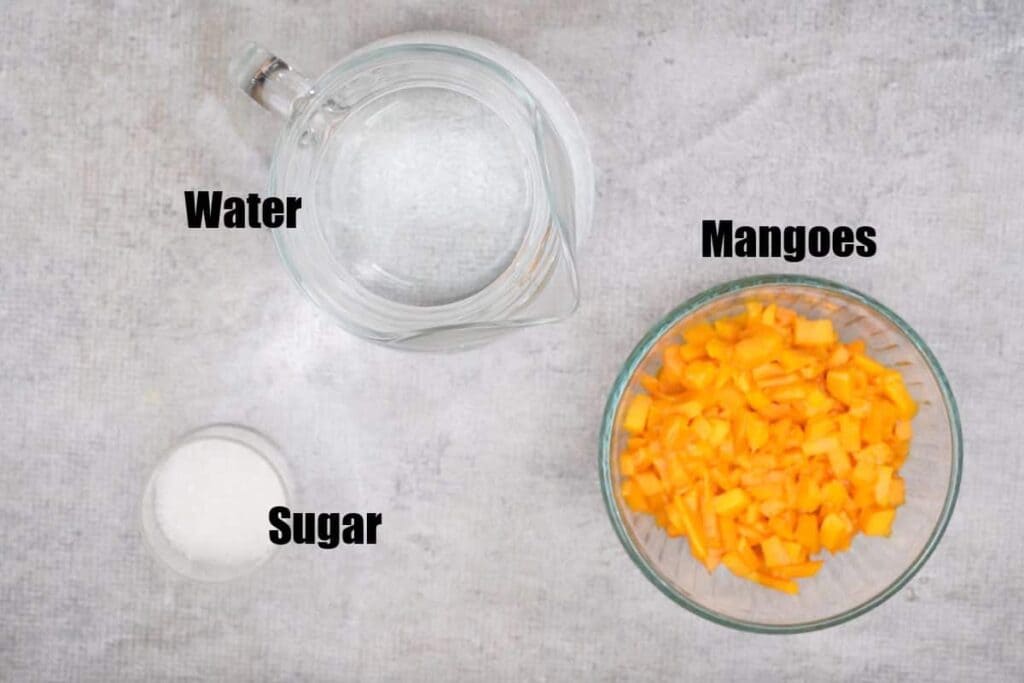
{"x":120,"y":329}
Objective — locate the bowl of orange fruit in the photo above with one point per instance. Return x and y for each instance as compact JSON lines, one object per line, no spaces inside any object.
{"x":780,"y":454}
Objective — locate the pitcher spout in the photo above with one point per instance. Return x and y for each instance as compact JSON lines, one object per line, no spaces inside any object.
{"x":558,"y":296}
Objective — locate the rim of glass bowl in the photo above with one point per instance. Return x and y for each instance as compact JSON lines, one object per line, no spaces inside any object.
{"x":667,"y":324}
{"x":376,"y":318}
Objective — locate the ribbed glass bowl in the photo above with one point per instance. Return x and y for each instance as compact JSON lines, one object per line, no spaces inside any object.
{"x":873,"y":569}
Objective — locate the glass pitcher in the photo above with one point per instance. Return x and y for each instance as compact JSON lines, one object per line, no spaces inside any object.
{"x":445,"y":185}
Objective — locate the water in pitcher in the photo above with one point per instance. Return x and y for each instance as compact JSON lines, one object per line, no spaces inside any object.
{"x":425,"y":193}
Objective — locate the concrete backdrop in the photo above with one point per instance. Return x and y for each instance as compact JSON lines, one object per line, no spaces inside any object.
{"x":120,"y":329}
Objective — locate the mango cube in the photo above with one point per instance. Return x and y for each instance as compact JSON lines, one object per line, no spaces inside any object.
{"x":834,"y":533}
{"x":730,"y":503}
{"x":775,"y":554}
{"x":801,"y":570}
{"x":879,"y":522}
{"x":636,"y":414}
{"x":813,"y":332}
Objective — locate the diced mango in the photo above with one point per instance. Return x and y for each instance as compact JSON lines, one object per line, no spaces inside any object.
{"x":882,"y":485}
{"x":727,"y":329}
{"x":834,"y":533}
{"x":758,"y":401}
{"x":839,"y":356}
{"x":792,"y":360}
{"x":699,"y":334}
{"x":787,"y":393}
{"x":737,"y":566}
{"x":801,"y":570}
{"x":839,"y":461}
{"x":849,"y":433}
{"x":730,"y":536}
{"x":775,"y":554}
{"x":690,"y":409}
{"x":701,"y":427}
{"x":766,"y":492}
{"x":893,"y":387}
{"x":797,"y":553}
{"x":822,"y":445}
{"x":672,"y":362}
{"x":840,"y":385}
{"x":879,"y":522}
{"x":880,"y":421}
{"x":694,"y":531}
{"x":817,"y":402}
{"x":868,"y":365}
{"x":808,"y":495}
{"x":897,"y":491}
{"x":713,"y":559}
{"x":900,"y":451}
{"x":782,"y":524}
{"x":731,"y":503}
{"x":903,"y":430}
{"x":651,"y":384}
{"x":691,"y":352}
{"x":649,"y":483}
{"x":758,"y":433}
{"x":719,"y":431}
{"x":636,"y":414}
{"x":747,"y":553}
{"x":818,"y":427}
{"x":813,"y":332}
{"x":699,"y":375}
{"x":864,"y":473}
{"x":718,"y":349}
{"x":860,"y":408}
{"x":879,"y":453}
{"x":784,"y":585}
{"x":634,"y":497}
{"x":756,"y":350}
{"x":762,"y":439}
{"x":807,"y":533}
{"x":834,"y":495}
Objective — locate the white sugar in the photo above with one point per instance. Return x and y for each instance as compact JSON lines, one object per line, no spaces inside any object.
{"x":211,"y":498}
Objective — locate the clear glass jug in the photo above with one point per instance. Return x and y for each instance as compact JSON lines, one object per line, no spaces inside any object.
{"x":445,"y":186}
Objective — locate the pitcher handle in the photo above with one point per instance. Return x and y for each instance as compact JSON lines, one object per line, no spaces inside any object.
{"x":268,"y":79}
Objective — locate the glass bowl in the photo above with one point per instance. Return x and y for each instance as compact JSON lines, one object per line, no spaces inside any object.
{"x":850,"y":583}
{"x":210,"y":556}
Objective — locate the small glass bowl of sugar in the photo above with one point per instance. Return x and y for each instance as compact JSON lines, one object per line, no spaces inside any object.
{"x":205,"y":506}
